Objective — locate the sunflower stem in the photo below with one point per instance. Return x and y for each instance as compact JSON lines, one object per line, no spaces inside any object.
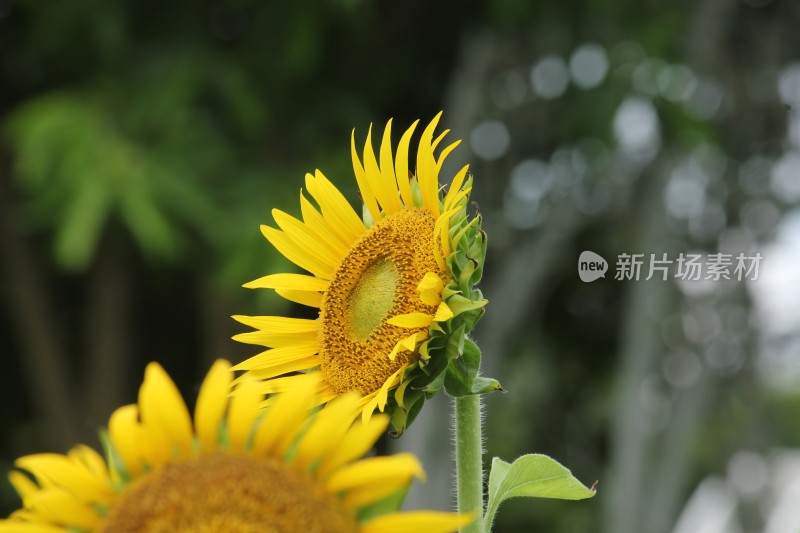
{"x":469,"y":459}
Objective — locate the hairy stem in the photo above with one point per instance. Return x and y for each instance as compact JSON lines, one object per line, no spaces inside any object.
{"x":469,"y":461}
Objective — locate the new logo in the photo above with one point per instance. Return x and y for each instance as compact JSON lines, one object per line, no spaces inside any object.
{"x":591,"y":266}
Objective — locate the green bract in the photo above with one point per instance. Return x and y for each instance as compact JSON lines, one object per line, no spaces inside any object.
{"x":449,"y":358}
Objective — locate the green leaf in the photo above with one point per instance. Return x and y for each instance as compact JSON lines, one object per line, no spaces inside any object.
{"x":532,"y":476}
{"x":147,"y":223}
{"x":80,"y":231}
{"x":461,"y":371}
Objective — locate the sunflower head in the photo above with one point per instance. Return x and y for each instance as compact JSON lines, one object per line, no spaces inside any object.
{"x":236,"y":468}
{"x":395,"y":287}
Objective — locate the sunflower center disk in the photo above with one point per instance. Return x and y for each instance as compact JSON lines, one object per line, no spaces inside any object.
{"x":372,"y":298}
{"x":375,"y":281}
{"x":230,"y":492}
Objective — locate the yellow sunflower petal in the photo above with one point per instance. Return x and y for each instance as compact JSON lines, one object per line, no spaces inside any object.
{"x":389,"y":197}
{"x":287,"y":383}
{"x":243,"y":413}
{"x":87,"y":457}
{"x":125,"y":433}
{"x":211,"y":403}
{"x":443,"y":313}
{"x":270,"y":339}
{"x":24,"y":485}
{"x":316,"y":220}
{"x":24,"y":515}
{"x":13,"y":526}
{"x":401,"y":167}
{"x":412,"y":320}
{"x":387,"y":168}
{"x":279,"y":324}
{"x":383,"y":393}
{"x":66,"y":474}
{"x":455,"y":186}
{"x":430,"y":289}
{"x":438,"y":139}
{"x":270,"y":371}
{"x":399,"y":393}
{"x":286,"y":416}
{"x":335,"y":207}
{"x":325,"y":250}
{"x":441,"y":233}
{"x":455,"y":202}
{"x":394,"y":352}
{"x":311,"y":299}
{"x":61,"y":507}
{"x":325,"y":393}
{"x":301,"y":254}
{"x":163,"y":410}
{"x":426,"y":169}
{"x":279,"y":356}
{"x":364,"y":185}
{"x":430,"y":281}
{"x":408,"y":343}
{"x":373,"y":492}
{"x":443,"y":155}
{"x":358,"y":440}
{"x":327,"y":429}
{"x":379,"y":398}
{"x":375,"y":469}
{"x":296,"y":282}
{"x":427,"y":521}
{"x":432,"y":298}
{"x":384,"y":192}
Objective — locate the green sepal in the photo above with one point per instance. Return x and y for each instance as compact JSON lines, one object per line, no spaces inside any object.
{"x":478,"y":250}
{"x":416,"y":193}
{"x":114,"y":460}
{"x":462,"y":374}
{"x":463,"y":370}
{"x":448,"y":292}
{"x":483,"y":385}
{"x":458,"y":304}
{"x":435,"y":384}
{"x":366,"y":216}
{"x":455,"y":343}
{"x":402,"y":418}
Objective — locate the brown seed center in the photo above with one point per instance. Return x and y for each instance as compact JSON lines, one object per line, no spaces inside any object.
{"x":231,"y":492}
{"x":375,"y":281}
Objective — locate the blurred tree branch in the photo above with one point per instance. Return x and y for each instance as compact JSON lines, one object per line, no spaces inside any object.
{"x":108,"y":331}
{"x":41,"y":350}
{"x":630,"y":472}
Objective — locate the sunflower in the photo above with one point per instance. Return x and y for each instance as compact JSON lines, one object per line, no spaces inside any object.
{"x":394,"y":287}
{"x":240,"y":469}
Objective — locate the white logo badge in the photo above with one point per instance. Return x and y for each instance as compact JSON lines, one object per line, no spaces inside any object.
{"x":591,"y":266}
